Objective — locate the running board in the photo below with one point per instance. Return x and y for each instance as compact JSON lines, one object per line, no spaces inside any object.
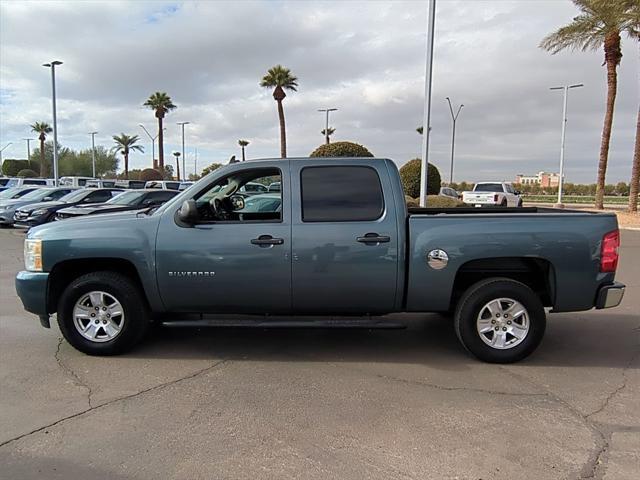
{"x":311,"y":323}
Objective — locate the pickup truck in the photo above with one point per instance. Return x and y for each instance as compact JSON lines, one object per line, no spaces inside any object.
{"x":492,"y":194}
{"x":352,"y":251}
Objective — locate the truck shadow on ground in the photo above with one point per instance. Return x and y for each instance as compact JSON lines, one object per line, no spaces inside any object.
{"x":608,"y":341}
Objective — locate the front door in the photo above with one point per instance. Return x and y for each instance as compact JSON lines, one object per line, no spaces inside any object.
{"x":235,"y":261}
{"x":345,"y":247}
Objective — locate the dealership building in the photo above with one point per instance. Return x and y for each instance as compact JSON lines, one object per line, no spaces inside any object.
{"x":544,"y":179}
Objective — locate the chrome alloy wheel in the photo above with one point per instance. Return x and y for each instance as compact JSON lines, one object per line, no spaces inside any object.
{"x":98,"y":316}
{"x":503,"y":323}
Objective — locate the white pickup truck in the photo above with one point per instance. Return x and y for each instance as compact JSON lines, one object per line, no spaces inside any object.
{"x":499,"y":194}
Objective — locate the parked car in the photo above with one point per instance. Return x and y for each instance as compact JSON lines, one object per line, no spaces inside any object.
{"x":8,"y":208}
{"x":20,"y":182}
{"x":163,"y":184}
{"x":492,"y":194}
{"x":133,"y":200}
{"x":101,"y":183}
{"x":3,"y":182}
{"x":448,"y":192}
{"x":74,"y":181}
{"x":130,"y":184}
{"x":253,"y":188}
{"x":38,"y":213}
{"x":17,"y":192}
{"x":353,"y":249}
{"x":275,"y":187}
{"x":262,"y":203}
{"x":185,"y":185}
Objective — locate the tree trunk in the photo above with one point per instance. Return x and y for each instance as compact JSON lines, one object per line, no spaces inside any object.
{"x":43,"y":163}
{"x":612,"y":57}
{"x":160,"y":145}
{"x":283,"y":134}
{"x":178,"y":167}
{"x":126,"y":166}
{"x":243,"y":159}
{"x":635,"y":171}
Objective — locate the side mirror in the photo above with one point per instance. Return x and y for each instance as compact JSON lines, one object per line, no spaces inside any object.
{"x":188,"y":212}
{"x":48,"y":198}
{"x":237,"y":201}
{"x":517,"y":192}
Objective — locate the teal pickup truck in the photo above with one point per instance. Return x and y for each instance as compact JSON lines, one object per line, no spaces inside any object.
{"x":337,"y":241}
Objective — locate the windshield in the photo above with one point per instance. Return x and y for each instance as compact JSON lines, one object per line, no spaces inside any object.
{"x":488,"y":187}
{"x":126,"y":198}
{"x":73,"y":196}
{"x":9,"y":192}
{"x":38,"y":194}
{"x":12,"y":182}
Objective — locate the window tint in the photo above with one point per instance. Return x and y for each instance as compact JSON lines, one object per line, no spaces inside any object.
{"x":341,"y":194}
{"x":100,"y":196}
{"x":488,"y":187}
{"x":161,"y":196}
{"x":34,"y":182}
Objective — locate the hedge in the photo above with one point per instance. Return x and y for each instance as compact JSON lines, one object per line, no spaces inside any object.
{"x":26,"y":173}
{"x":150,"y":174}
{"x":341,"y":149}
{"x":410,"y":177}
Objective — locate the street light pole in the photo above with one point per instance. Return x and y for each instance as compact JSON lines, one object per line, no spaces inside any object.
{"x":427,"y":104}
{"x":153,"y":143}
{"x":453,"y":135}
{"x":184,"y":172}
{"x":2,"y":150}
{"x":28,"y":140}
{"x":565,"y":89}
{"x":326,"y":124}
{"x":52,"y":65}
{"x":93,"y":152}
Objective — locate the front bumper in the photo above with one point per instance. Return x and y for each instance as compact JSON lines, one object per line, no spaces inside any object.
{"x":610,"y":296}
{"x":32,"y":290}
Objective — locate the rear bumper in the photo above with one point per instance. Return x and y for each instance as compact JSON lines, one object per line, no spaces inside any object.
{"x":32,"y":290}
{"x":610,"y":296}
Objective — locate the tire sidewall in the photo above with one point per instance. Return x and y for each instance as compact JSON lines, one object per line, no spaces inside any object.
{"x":482,"y":293}
{"x":124,"y":291}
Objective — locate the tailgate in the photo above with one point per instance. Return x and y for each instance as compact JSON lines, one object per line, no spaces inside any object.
{"x":479,"y":198}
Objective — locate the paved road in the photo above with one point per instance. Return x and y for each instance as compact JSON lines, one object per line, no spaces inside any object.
{"x":238,"y":404}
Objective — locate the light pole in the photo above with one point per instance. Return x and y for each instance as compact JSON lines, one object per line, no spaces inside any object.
{"x":453,"y":135}
{"x":2,"y":150}
{"x":93,"y":152}
{"x":195,"y":164}
{"x":565,"y":88}
{"x":184,"y":173}
{"x":326,"y":124}
{"x":427,"y":103}
{"x":28,"y":140}
{"x":153,"y":143}
{"x":52,"y":65}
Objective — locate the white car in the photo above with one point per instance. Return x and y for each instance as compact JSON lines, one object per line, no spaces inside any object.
{"x":499,"y":194}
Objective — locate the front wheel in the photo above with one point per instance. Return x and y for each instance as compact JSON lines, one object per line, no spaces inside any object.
{"x":103,"y":313}
{"x":500,"y":320}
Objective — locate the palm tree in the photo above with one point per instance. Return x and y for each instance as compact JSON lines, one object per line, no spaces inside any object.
{"x":327,"y":133}
{"x":599,"y":24}
{"x":419,"y":130}
{"x":243,"y":143}
{"x":161,"y":103}
{"x":126,"y":144}
{"x":635,"y":172}
{"x":42,"y":128}
{"x":177,"y":155}
{"x":281,"y":79}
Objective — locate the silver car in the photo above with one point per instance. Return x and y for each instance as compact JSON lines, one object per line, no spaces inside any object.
{"x":8,"y":207}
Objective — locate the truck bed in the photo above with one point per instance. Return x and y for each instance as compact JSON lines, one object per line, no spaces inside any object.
{"x":490,"y":209}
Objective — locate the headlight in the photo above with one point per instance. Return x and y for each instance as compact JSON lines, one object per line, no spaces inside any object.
{"x":37,"y":213}
{"x":33,"y":254}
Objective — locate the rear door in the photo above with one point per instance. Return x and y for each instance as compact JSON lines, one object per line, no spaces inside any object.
{"x":345,"y":239}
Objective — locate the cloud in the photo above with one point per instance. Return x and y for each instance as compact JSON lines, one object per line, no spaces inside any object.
{"x":365,"y":58}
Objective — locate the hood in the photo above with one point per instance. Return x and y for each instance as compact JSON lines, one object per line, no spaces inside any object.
{"x":30,"y":207}
{"x":94,"y":207}
{"x":13,"y":203}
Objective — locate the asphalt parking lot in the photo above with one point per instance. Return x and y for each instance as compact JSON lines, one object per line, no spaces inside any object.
{"x":319,"y":404}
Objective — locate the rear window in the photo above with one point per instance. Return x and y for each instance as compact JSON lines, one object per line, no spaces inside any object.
{"x":341,"y":194}
{"x":488,"y":187}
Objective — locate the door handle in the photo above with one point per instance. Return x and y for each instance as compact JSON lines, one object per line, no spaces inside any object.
{"x":266,"y":240}
{"x":373,"y":238}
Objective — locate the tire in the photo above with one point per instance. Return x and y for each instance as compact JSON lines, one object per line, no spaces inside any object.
{"x":513,"y":342}
{"x":520,"y":203}
{"x":112,"y":333}
{"x":503,"y":203}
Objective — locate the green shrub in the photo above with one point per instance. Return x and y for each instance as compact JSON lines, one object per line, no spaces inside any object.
{"x":341,"y":149}
{"x":26,"y":173}
{"x":11,"y":167}
{"x":410,"y":177}
{"x":150,"y":174}
{"x":440,"y":201}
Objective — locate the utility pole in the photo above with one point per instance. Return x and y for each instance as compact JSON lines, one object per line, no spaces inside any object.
{"x":427,"y":103}
{"x":326,"y":124}
{"x":195,"y":164}
{"x":93,"y":152}
{"x":184,"y":172}
{"x":153,"y":144}
{"x":565,"y":88}
{"x":2,"y":150}
{"x":52,"y":65}
{"x":453,"y":135}
{"x":28,"y":140}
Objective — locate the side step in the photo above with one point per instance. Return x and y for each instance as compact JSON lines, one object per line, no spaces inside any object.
{"x":280,"y":322}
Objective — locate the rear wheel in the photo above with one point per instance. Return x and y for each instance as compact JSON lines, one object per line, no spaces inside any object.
{"x":503,"y":203}
{"x":500,"y":320}
{"x":103,"y":313}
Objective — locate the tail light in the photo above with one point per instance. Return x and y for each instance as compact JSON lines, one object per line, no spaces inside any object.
{"x":609,"y":252}
{"x":495,"y":198}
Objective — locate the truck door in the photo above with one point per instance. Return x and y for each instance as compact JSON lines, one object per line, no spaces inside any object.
{"x":239,"y":264}
{"x":345,"y":239}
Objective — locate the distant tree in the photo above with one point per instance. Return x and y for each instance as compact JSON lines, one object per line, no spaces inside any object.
{"x":634,"y":185}
{"x":210,"y":168}
{"x":243,"y":144}
{"x":599,"y":25}
{"x":161,"y":104}
{"x":27,"y":173}
{"x":177,"y":155}
{"x":151,"y":174}
{"x":126,"y":144}
{"x":326,"y":133}
{"x":419,"y":130}
{"x":42,"y":129}
{"x":622,"y":189}
{"x":280,"y":79}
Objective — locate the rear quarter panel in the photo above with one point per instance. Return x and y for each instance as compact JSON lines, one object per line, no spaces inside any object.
{"x":569,"y":241}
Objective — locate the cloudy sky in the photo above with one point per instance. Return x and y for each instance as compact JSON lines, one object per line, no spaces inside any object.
{"x":365,"y":58}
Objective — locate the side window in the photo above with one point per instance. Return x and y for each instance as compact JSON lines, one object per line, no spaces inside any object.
{"x":34,"y":182}
{"x":160,"y":197}
{"x":99,"y":196}
{"x":341,"y":194}
{"x":59,"y":193}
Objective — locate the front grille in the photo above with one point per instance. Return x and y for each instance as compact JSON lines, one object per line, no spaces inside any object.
{"x":20,"y":215}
